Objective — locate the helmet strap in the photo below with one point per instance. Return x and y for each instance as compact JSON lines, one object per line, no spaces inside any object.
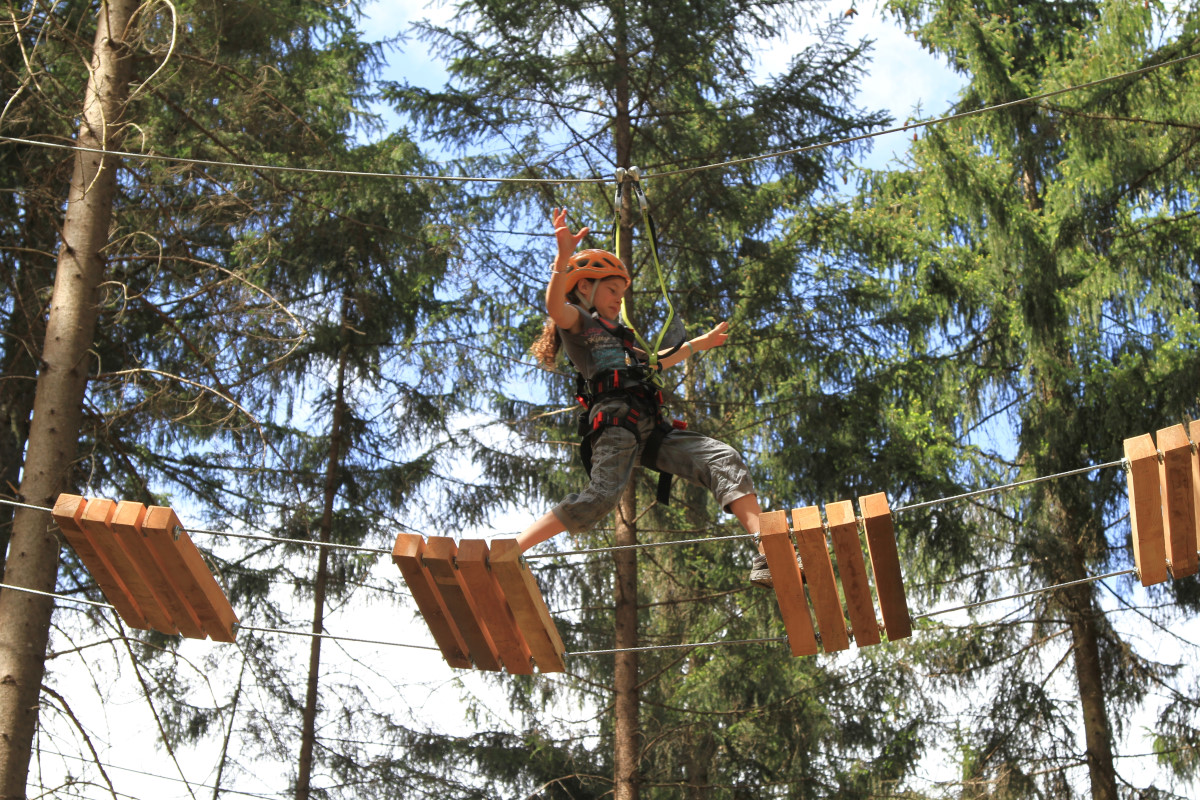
{"x":588,"y":301}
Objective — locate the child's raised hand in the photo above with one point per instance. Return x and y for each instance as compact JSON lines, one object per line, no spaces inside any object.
{"x":714,"y":338}
{"x":567,"y":241}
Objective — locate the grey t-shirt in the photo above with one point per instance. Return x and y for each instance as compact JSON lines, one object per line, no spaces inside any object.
{"x":593,"y":350}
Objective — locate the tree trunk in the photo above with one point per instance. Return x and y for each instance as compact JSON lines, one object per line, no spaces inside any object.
{"x":701,"y":752}
{"x":1097,"y":730}
{"x":1070,"y":519}
{"x":1056,"y":422}
{"x":627,"y":743}
{"x":233,"y":709}
{"x":308,"y":732}
{"x":32,"y":560}
{"x":19,"y":375}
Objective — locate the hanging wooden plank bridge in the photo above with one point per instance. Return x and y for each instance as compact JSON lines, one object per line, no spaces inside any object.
{"x":832,"y":571}
{"x":147,"y":567}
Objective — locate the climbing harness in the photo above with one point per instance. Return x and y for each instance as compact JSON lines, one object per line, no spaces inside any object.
{"x":641,"y":379}
{"x":636,"y":383}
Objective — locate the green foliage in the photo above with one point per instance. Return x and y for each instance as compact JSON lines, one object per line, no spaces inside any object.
{"x":1045,"y":320}
{"x":211,"y":376}
{"x":1014,"y":302}
{"x":799,"y":388}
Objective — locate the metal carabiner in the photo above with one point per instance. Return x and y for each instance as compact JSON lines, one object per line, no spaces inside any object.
{"x":641,"y":196}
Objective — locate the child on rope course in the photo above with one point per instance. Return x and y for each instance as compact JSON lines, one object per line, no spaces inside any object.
{"x":624,"y":420}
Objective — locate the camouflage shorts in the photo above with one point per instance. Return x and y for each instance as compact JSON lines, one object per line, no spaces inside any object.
{"x":616,"y":451}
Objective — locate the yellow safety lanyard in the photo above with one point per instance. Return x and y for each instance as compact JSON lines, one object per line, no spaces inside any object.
{"x":633,"y":177}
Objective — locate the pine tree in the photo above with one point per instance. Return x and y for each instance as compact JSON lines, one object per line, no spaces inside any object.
{"x":213,"y":305}
{"x":1029,"y":250}
{"x":364,"y":292}
{"x":33,"y":560}
{"x":564,"y":91}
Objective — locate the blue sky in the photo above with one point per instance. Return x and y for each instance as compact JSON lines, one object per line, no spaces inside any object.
{"x":902,"y":76}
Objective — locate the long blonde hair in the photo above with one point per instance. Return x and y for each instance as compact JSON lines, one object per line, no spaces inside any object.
{"x":545,"y":348}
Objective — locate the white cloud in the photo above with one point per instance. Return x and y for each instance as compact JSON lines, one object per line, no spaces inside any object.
{"x":902,"y":74}
{"x":901,"y":77}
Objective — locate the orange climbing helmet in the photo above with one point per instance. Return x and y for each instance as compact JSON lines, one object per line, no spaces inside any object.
{"x":594,"y":265}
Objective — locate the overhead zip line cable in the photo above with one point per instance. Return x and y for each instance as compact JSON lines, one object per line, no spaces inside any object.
{"x":382,"y":551}
{"x":936,"y":121}
{"x":564,"y":181}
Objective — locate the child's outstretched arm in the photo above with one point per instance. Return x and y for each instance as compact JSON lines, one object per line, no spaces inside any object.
{"x":562,"y":312}
{"x":714,"y":338}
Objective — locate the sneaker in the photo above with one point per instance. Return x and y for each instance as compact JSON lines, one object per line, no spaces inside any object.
{"x":760,"y":573}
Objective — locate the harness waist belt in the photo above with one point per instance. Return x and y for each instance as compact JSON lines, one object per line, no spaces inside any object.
{"x":632,"y":380}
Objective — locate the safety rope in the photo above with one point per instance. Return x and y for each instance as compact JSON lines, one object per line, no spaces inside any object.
{"x":614,"y":548}
{"x":381,"y":551}
{"x":1030,"y":593}
{"x":223,"y":790}
{"x":683,"y":646}
{"x":992,"y":490}
{"x":641,"y":648}
{"x":632,"y":176}
{"x":639,"y":546}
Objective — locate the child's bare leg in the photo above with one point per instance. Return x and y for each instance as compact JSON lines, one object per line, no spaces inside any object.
{"x":746,"y":509}
{"x":544,"y":528}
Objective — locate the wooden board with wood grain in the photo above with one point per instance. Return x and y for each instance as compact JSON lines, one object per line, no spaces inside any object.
{"x":789,"y":588}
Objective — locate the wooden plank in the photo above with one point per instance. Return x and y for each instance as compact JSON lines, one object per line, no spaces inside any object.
{"x":1145,"y":510}
{"x":528,"y":606}
{"x":843,"y":530}
{"x":1179,"y":514}
{"x":818,"y":572}
{"x":127,"y":525}
{"x":1194,"y":436}
{"x":408,"y":554}
{"x":67,"y":513}
{"x":789,"y":588}
{"x":440,"y":553}
{"x":182,"y":562}
{"x":492,"y":607}
{"x":885,"y":565}
{"x":97,"y":521}
{"x":159,"y":536}
{"x":131,"y":560}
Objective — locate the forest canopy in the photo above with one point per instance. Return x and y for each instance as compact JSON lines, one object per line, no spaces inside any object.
{"x":253,"y":274}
